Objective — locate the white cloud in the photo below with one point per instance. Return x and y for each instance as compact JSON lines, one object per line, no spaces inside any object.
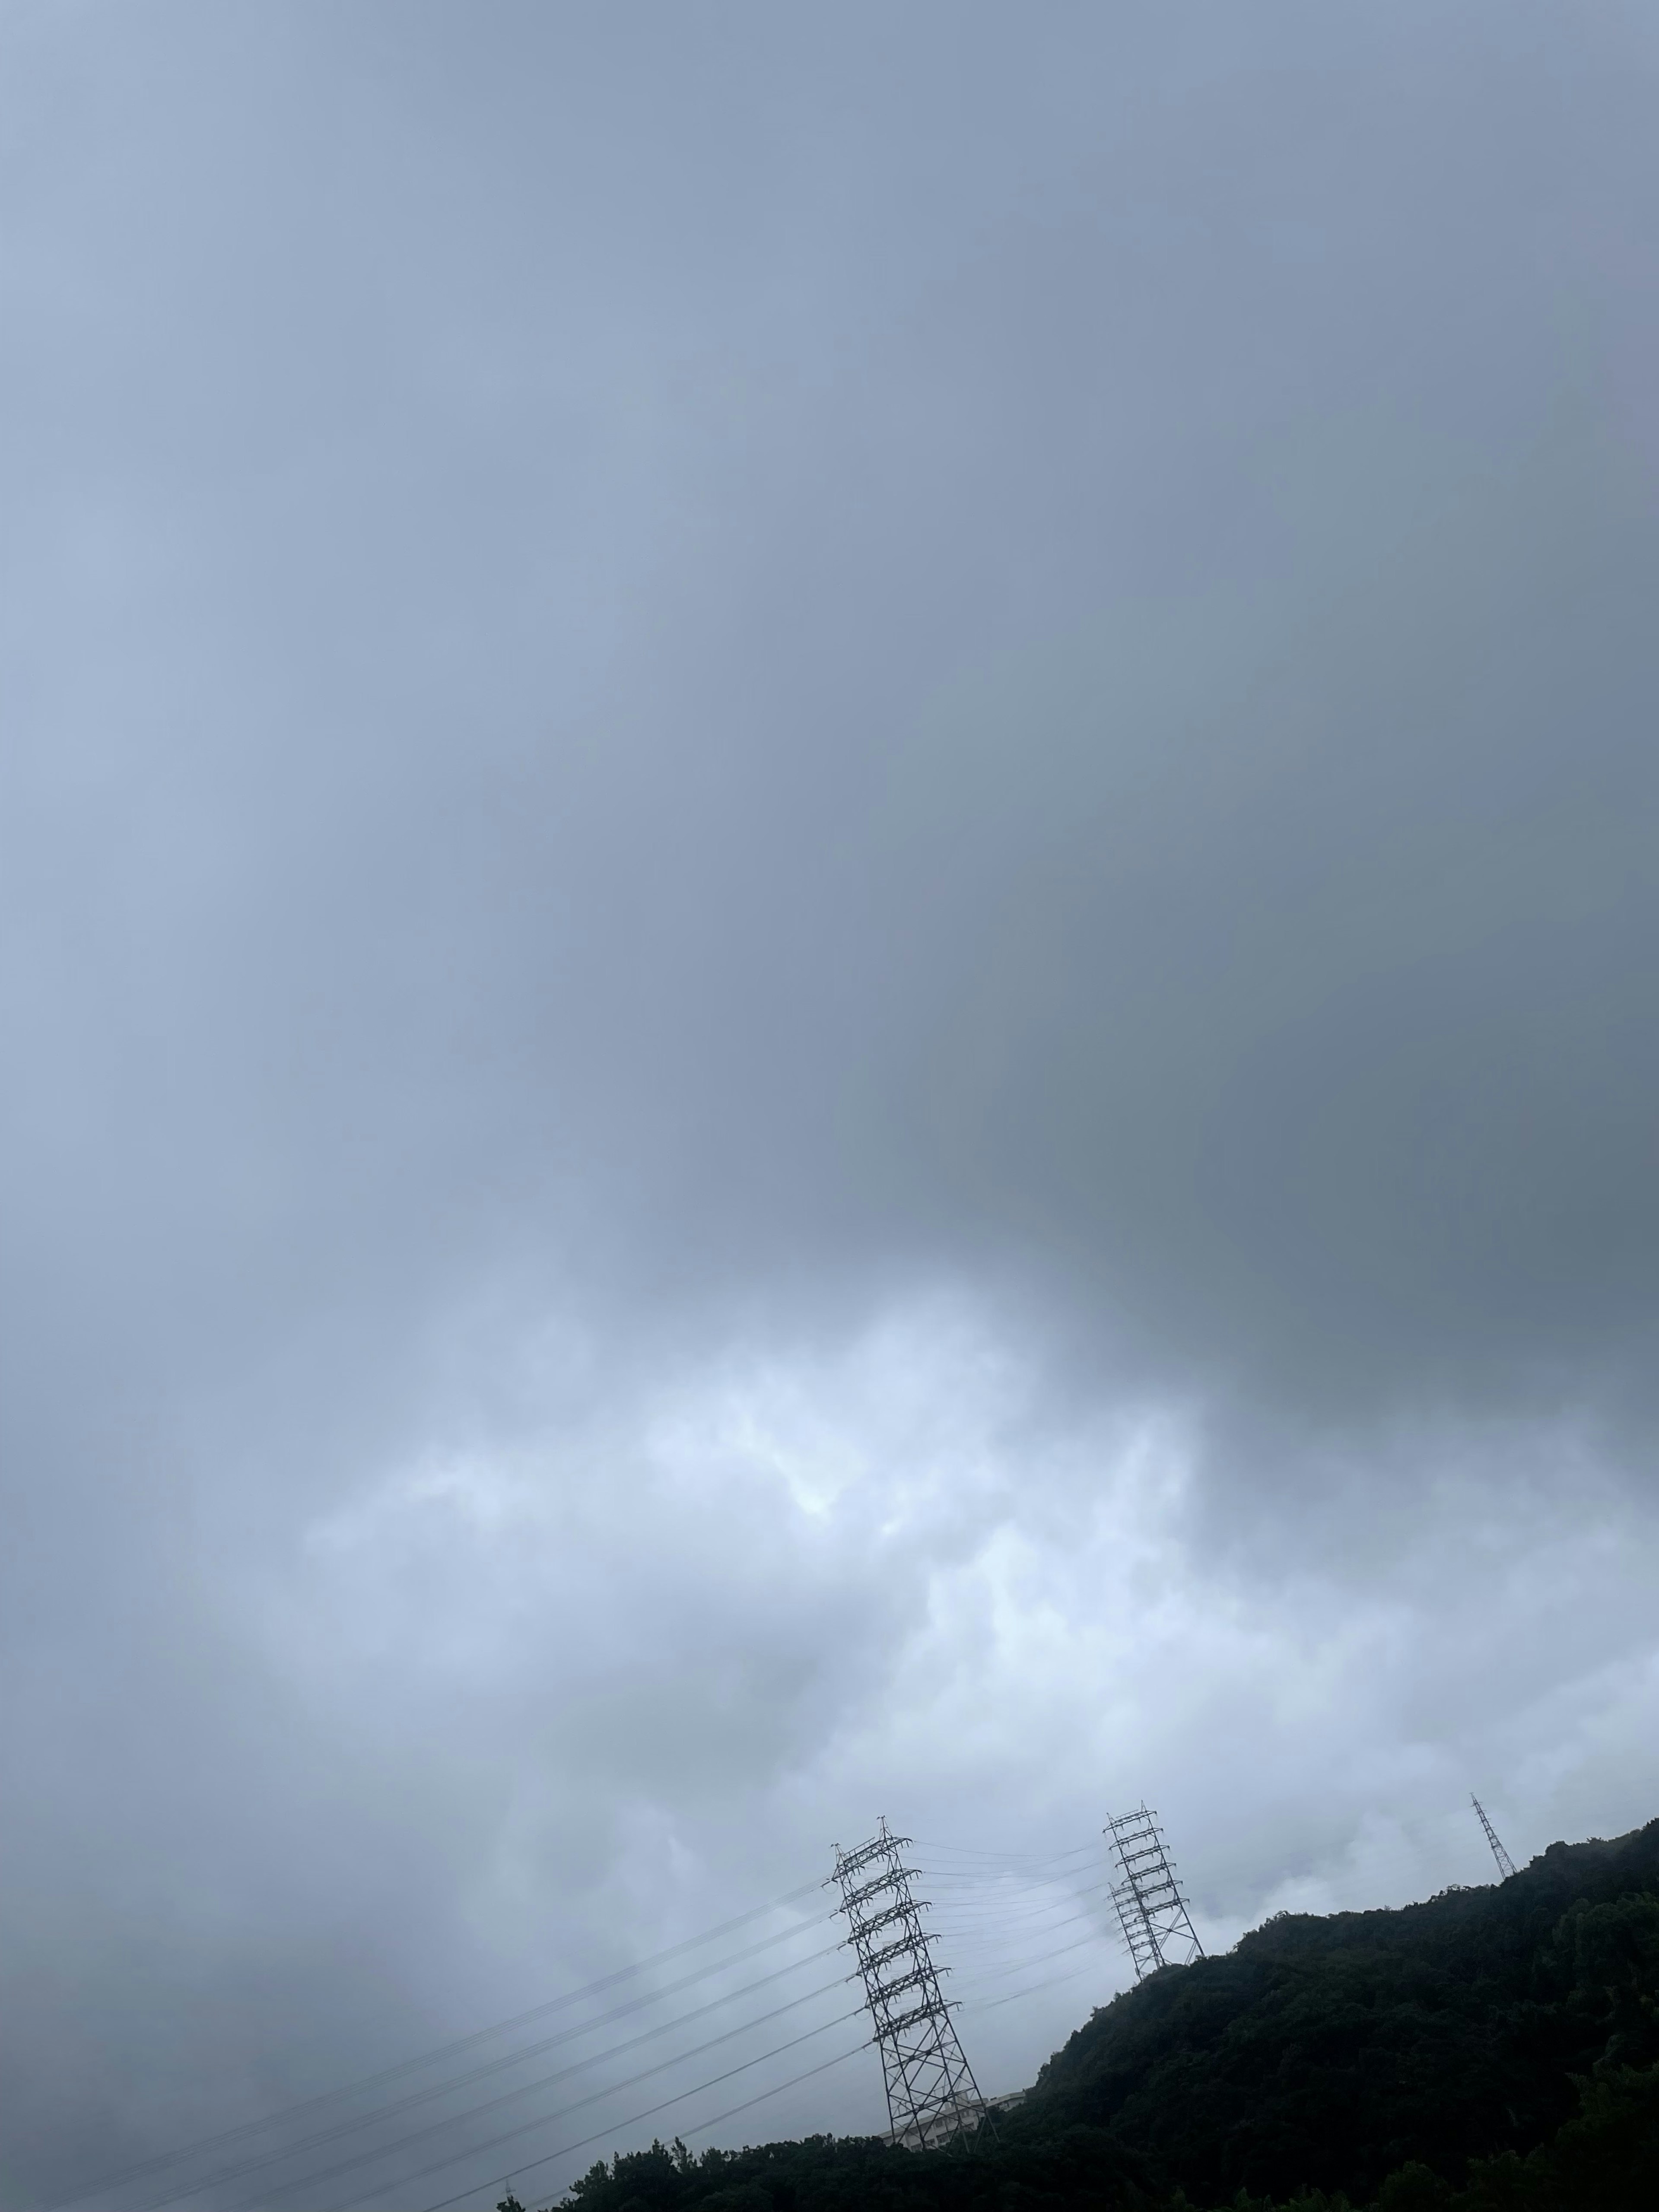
{"x":741,"y":1612}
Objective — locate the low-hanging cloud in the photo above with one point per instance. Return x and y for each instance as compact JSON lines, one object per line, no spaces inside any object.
{"x":830,"y":874}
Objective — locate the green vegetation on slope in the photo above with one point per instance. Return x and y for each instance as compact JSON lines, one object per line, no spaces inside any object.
{"x":1491,"y":2050}
{"x":1333,"y":2050}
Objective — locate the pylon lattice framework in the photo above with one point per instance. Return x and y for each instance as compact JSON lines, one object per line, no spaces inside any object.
{"x":932,"y":2095}
{"x":1505,"y":1864}
{"x":1150,"y":1908}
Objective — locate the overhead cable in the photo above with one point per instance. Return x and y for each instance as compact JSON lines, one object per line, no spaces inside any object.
{"x":380,"y":2152}
{"x":701,"y":2129}
{"x":442,"y":2050}
{"x":1053,"y":1984}
{"x":1042,"y":1858}
{"x":499,"y":2065}
{"x":349,"y":2205}
{"x":1096,"y":1935}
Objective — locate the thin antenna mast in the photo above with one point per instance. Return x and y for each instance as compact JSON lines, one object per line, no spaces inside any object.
{"x":932,"y":2095}
{"x":1505,"y":1864}
{"x":1151,"y":1911}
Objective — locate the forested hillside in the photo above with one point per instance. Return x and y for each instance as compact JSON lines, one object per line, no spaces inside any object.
{"x":1493,"y":2050}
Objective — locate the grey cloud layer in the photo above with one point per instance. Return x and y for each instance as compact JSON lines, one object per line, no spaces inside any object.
{"x":677,"y":684}
{"x":1129,"y":743}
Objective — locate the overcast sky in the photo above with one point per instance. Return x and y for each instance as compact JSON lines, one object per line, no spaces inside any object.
{"x":830,"y":904}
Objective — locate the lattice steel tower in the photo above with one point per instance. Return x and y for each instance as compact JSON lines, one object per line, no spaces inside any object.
{"x":932,"y":2095}
{"x":1150,"y":1909}
{"x":1505,"y":1864}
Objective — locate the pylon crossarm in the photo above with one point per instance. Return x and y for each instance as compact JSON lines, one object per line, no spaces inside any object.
{"x":891,"y":1880}
{"x":906,"y":2020}
{"x":871,"y":1962}
{"x":854,"y":1897}
{"x":878,"y":1921}
{"x":877,"y":1847}
{"x":884,"y":1992}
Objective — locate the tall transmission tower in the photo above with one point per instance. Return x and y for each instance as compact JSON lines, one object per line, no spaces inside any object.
{"x":1150,"y":1909}
{"x":1505,"y":1864}
{"x":932,"y":2095}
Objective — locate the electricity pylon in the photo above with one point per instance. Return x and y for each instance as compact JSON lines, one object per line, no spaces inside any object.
{"x":1150,"y":1909}
{"x":1505,"y":1864}
{"x":932,"y":2095}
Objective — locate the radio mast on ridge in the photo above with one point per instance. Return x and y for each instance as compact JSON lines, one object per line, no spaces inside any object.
{"x":1505,"y":1864}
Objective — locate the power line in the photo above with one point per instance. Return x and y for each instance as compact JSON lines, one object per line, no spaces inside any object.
{"x":993,"y":1936}
{"x":616,"y":2126}
{"x":1042,"y":1858}
{"x":1037,"y":1875}
{"x":1095,"y":1935}
{"x":288,"y":2113}
{"x":381,"y":2151}
{"x":1054,"y":1983}
{"x":496,"y":2066}
{"x":1003,"y":1903}
{"x":1001,"y":1877}
{"x":1010,"y":1904}
{"x":776,"y":2090}
{"x":996,"y":1876}
{"x":965,"y":1888}
{"x":984,"y":1887}
{"x":295,"y":2113}
{"x":967,"y":1911}
{"x":991,"y":1891}
{"x":990,"y":1954}
{"x":701,"y":2129}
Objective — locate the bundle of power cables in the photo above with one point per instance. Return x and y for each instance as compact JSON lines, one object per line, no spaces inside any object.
{"x":692,"y":2036}
{"x":678,"y":2042}
{"x":1011,"y":1925}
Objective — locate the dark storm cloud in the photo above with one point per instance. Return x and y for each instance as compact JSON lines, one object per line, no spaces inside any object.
{"x":765,"y":775}
{"x":1122,"y":738}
